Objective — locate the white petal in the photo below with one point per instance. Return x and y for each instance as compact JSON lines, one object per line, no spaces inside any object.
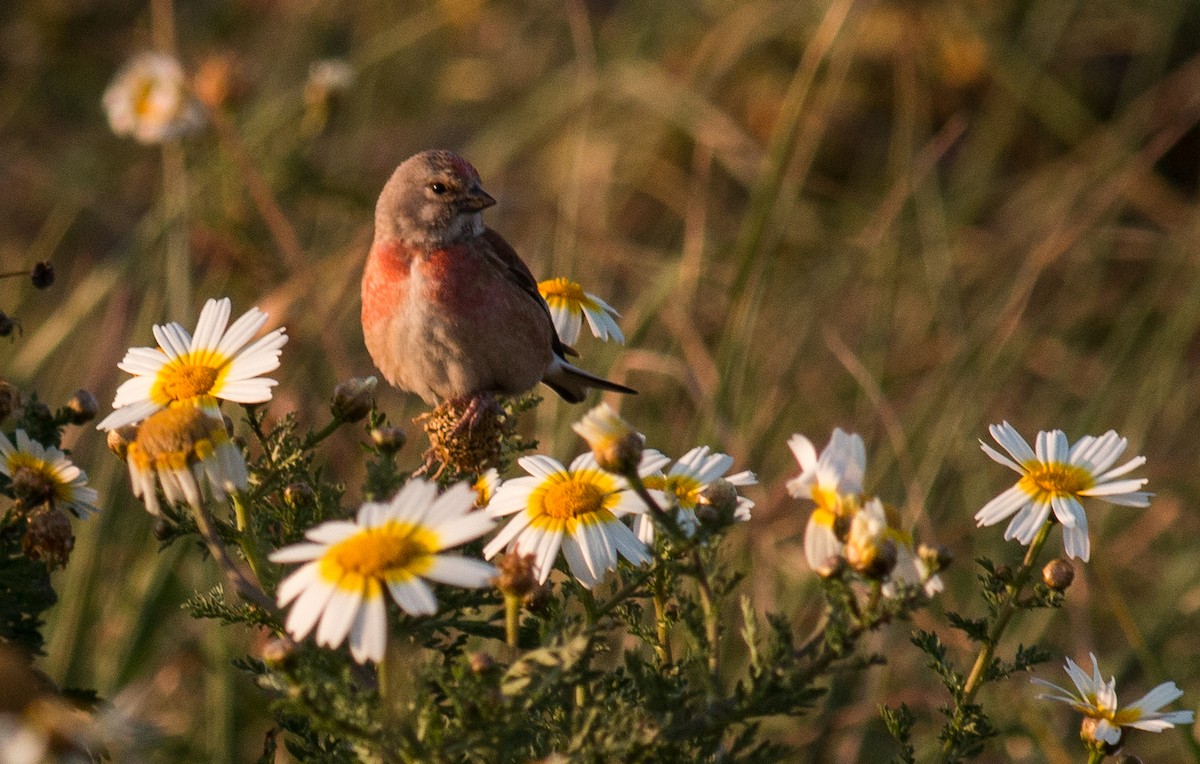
{"x":413,"y":596}
{"x":1002,"y":506}
{"x":460,"y":530}
{"x":368,"y":636}
{"x":307,"y":609}
{"x":460,"y":571}
{"x":297,"y":553}
{"x":338,"y":617}
{"x":1008,"y":437}
{"x":298,"y":581}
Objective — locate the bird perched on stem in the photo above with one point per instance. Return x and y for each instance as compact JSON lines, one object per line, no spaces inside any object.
{"x":449,"y":310}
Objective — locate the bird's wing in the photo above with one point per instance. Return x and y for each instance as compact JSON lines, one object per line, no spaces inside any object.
{"x":514,"y":267}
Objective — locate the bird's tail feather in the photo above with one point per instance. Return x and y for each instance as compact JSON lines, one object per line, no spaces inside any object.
{"x":572,"y":383}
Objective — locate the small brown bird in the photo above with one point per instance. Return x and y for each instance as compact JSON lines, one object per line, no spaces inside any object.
{"x":449,"y":311}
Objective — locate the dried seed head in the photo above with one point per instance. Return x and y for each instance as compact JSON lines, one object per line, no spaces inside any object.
{"x":48,"y":536}
{"x":517,"y":576}
{"x":468,"y":448}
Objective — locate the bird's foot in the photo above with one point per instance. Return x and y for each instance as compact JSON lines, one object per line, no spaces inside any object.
{"x":479,"y":407}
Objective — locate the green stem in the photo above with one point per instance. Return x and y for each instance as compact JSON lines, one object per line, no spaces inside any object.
{"x":243,"y":584}
{"x":320,"y":435}
{"x":662,"y":647}
{"x":512,"y":618}
{"x":1095,"y":757}
{"x":712,"y":633}
{"x":978,"y":676}
{"x":624,"y":593}
{"x":662,"y":518}
{"x":247,"y":538}
{"x":589,"y":605}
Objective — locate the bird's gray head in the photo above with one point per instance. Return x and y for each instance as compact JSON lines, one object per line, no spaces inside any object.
{"x":433,"y":199}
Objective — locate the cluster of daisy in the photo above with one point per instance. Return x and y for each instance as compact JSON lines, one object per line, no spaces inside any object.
{"x":166,"y":419}
{"x":578,"y":510}
{"x":846,"y":525}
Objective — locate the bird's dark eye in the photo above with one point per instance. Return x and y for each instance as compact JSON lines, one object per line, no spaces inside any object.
{"x":437,"y":187}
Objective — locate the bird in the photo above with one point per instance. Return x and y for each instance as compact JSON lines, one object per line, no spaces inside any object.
{"x":450,"y":312}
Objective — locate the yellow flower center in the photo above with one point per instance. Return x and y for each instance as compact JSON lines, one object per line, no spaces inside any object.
{"x":394,"y":550}
{"x":570,"y":499}
{"x":562,"y":289}
{"x":685,"y":488}
{"x":175,"y":438}
{"x":142,"y":102}
{"x":189,"y":376}
{"x":1055,"y":478}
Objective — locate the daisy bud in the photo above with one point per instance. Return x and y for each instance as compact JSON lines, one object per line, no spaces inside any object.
{"x":867,"y":550}
{"x":717,"y":503}
{"x":162,"y":528}
{"x":517,"y":576}
{"x":353,"y":399}
{"x":297,"y":494}
{"x":1087,"y":733}
{"x":935,"y":556}
{"x":480,"y":662}
{"x":42,"y":275}
{"x":389,"y":438}
{"x":48,"y":536}
{"x":10,"y":399}
{"x":1058,"y":574}
{"x":218,"y":80}
{"x":82,"y":407}
{"x":616,"y":446}
{"x":120,"y":438}
{"x":276,"y":652}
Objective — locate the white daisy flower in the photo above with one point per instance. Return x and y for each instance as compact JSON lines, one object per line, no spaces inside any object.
{"x":574,"y":508}
{"x":149,"y":99}
{"x":44,"y":473}
{"x":685,"y":482}
{"x":833,"y":481}
{"x":183,"y":448}
{"x":1104,"y":718}
{"x":1054,"y":477}
{"x":217,"y":362}
{"x":391,"y":546}
{"x":570,"y":305}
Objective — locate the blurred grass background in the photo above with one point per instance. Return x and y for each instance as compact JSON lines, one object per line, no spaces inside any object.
{"x":909,"y":219}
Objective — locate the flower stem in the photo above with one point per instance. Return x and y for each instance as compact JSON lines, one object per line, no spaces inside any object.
{"x":1095,"y":757}
{"x":247,"y":538}
{"x":662,"y":646}
{"x":243,"y":583}
{"x":978,"y":676}
{"x":512,"y":618}
{"x":320,"y":435}
{"x":712,"y":629}
{"x":589,"y":605}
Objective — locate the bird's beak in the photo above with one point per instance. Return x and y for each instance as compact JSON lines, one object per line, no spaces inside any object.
{"x":475,"y":200}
